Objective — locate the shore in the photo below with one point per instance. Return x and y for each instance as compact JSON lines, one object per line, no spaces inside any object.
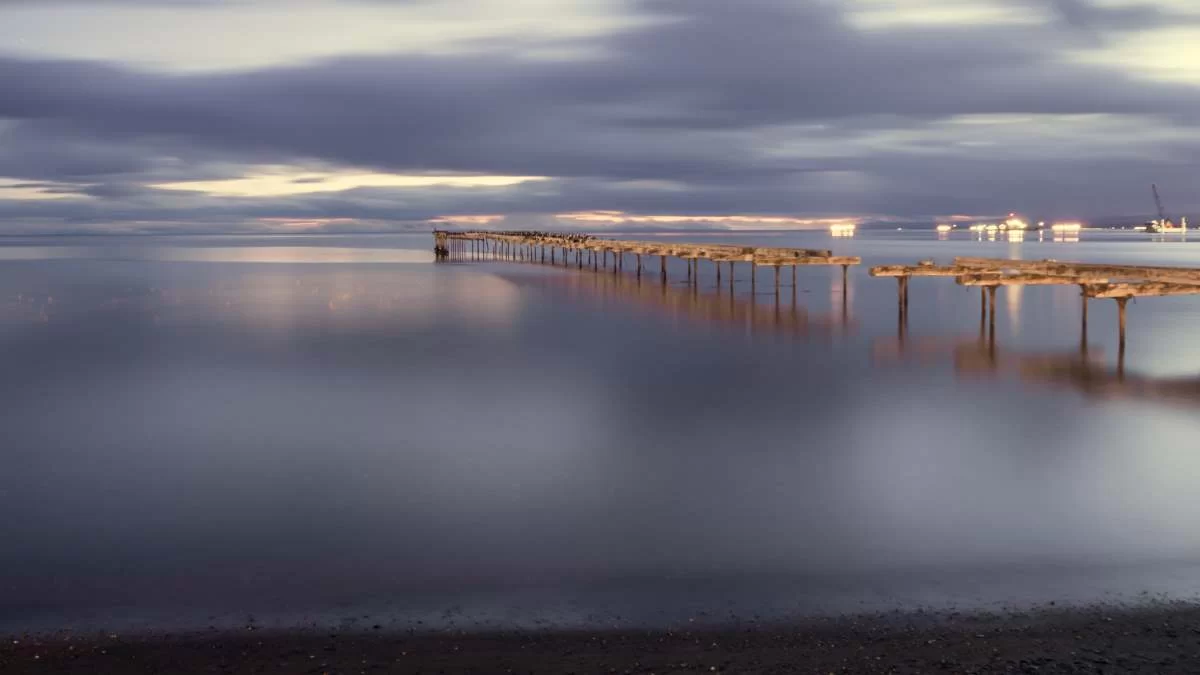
{"x":1097,"y":640}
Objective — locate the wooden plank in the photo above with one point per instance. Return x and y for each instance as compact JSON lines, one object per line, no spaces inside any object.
{"x":1178,"y":275}
{"x":919,"y":271}
{"x":1144,"y":290}
{"x":1027,"y":280}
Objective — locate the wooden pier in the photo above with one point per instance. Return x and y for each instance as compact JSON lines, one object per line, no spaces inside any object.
{"x":1095,"y":280}
{"x":611,"y":255}
{"x":1120,"y":283}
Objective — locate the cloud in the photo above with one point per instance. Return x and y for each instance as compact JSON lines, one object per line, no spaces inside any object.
{"x":1086,"y":15}
{"x":761,"y":107}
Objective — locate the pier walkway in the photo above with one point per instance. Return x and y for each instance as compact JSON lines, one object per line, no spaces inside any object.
{"x":582,"y":251}
{"x":1095,"y":280}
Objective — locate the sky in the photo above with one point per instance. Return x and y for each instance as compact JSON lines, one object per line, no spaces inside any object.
{"x":148,"y":116}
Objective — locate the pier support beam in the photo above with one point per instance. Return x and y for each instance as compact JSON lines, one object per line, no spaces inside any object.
{"x":1084,"y":295}
{"x":663,"y":265}
{"x":992,"y":311}
{"x":1121,"y":303}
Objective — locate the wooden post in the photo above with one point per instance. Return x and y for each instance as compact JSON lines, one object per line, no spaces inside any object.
{"x":1083,"y":293}
{"x":777,"y":281}
{"x":730,"y":276}
{"x":1121,"y":303}
{"x":992,"y":324}
{"x":717,"y":265}
{"x":1083,"y":342}
{"x":753,"y":278}
{"x":663,"y":264}
{"x":845,"y":304}
{"x":794,"y":275}
{"x":639,"y":266}
{"x":992,"y":309}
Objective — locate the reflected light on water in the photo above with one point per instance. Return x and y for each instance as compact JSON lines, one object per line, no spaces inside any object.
{"x":1012,"y":297}
{"x":219,"y":254}
{"x":276,"y":304}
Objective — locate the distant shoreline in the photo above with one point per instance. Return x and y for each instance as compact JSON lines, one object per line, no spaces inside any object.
{"x":1160,"y":639}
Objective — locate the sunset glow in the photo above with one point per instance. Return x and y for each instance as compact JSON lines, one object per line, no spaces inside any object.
{"x":282,"y":181}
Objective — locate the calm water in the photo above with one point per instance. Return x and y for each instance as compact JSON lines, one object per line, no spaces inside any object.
{"x":200,"y":430}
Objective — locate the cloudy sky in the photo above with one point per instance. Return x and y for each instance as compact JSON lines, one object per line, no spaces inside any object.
{"x":364,"y":115}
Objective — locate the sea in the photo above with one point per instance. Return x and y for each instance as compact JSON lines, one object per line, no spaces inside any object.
{"x":338,"y":431}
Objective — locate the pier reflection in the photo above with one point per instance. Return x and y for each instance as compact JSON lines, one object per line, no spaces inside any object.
{"x":1084,"y":369}
{"x":780,"y":312}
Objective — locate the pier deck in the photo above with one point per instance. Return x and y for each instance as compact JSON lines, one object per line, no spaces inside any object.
{"x":582,"y":250}
{"x":1095,"y":280}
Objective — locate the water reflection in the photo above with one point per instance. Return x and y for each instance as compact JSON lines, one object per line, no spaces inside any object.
{"x":416,"y":440}
{"x":777,"y":312}
{"x":218,"y":254}
{"x":277,"y":301}
{"x":1085,"y":369}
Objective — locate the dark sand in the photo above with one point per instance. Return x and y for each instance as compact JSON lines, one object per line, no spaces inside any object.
{"x":1159,"y":640}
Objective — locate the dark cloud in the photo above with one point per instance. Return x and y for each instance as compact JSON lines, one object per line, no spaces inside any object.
{"x":1086,"y":15}
{"x":703,"y":100}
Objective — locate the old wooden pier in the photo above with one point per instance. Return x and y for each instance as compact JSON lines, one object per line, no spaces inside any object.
{"x":586,"y":251}
{"x":1095,"y":280}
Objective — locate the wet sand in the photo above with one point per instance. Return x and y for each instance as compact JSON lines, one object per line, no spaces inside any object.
{"x":1097,"y":640}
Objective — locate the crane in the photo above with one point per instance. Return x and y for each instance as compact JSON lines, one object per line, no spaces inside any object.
{"x":1163,"y":224}
{"x":1162,"y":216}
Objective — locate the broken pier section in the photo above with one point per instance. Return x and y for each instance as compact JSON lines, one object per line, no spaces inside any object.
{"x":1095,"y":280}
